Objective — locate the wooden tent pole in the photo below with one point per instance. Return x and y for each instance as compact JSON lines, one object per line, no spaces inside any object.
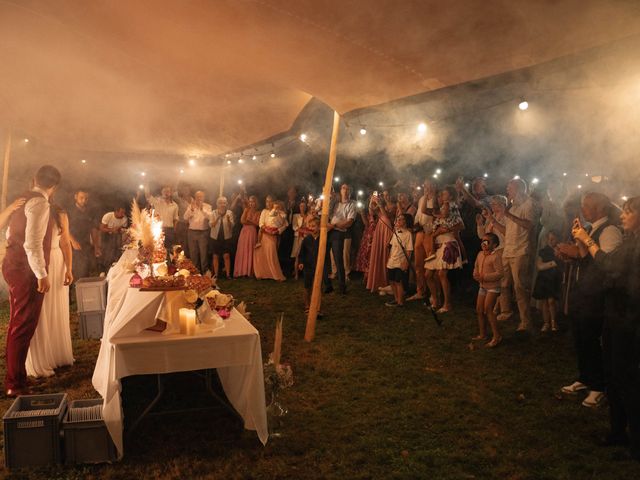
{"x":310,"y":331}
{"x":5,"y":173}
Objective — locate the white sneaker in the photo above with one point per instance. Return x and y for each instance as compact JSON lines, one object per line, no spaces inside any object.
{"x":574,"y":388}
{"x":594,"y":399}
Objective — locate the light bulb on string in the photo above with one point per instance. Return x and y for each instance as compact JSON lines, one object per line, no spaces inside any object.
{"x":360,"y":193}
{"x":26,"y":140}
{"x":422,"y":128}
{"x":143,"y":174}
{"x":228,"y":162}
{"x":192,"y":162}
{"x":523,"y":105}
{"x":83,"y":161}
{"x":359,"y":204}
{"x":240,"y":182}
{"x":303,"y":137}
{"x":467,"y":185}
{"x":181,"y":171}
{"x":381,"y":184}
{"x":564,"y":174}
{"x":363,"y":131}
{"x":418,"y":187}
{"x":624,"y":198}
{"x":438,"y":171}
{"x":240,"y":160}
{"x":141,"y":187}
{"x":254,"y":158}
{"x":535,"y":180}
{"x":579,"y":186}
{"x":273,"y":155}
{"x":435,"y":175}
{"x":485,"y":175}
{"x":336,"y":179}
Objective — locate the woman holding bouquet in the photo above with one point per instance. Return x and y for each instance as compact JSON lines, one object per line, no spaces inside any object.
{"x":265,"y":257}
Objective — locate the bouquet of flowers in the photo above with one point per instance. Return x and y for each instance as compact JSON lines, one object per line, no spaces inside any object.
{"x":222,"y":303}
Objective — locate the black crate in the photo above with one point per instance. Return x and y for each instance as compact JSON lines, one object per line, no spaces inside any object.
{"x":32,"y":430}
{"x":87,"y":440}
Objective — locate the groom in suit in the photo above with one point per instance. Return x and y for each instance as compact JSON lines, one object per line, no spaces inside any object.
{"x":25,"y":271}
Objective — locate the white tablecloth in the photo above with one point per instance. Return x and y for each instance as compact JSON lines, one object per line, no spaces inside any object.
{"x":128,"y":349}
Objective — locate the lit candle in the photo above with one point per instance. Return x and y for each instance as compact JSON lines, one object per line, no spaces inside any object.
{"x":183,"y":319}
{"x":191,"y":322}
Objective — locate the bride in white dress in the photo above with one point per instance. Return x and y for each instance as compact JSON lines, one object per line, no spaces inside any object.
{"x":50,"y":346}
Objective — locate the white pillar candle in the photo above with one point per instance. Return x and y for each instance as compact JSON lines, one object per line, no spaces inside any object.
{"x":191,"y":322}
{"x":183,"y":312}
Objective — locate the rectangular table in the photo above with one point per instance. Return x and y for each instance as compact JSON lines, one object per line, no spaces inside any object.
{"x":129,"y":349}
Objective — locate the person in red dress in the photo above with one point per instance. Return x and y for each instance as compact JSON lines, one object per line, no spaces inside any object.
{"x":25,"y":271}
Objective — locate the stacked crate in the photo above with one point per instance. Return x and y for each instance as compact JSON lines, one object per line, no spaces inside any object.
{"x":91,"y":298}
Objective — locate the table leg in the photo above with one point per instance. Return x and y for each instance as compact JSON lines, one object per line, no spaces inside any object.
{"x":151,"y":405}
{"x":208,"y":377}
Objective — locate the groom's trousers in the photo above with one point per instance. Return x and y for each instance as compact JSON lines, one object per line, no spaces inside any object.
{"x":25,"y":304}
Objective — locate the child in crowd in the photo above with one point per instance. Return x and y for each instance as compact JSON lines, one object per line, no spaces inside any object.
{"x":448,"y":216}
{"x":547,"y":287}
{"x":401,"y":245}
{"x":308,"y":258}
{"x":488,"y":272}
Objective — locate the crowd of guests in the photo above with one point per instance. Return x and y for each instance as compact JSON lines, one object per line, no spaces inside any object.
{"x":574,"y":258}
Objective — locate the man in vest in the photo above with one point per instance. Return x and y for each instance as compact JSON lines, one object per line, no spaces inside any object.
{"x":25,"y":271}
{"x":587,"y":298}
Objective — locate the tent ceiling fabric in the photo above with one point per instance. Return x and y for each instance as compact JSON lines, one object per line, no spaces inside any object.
{"x":207,"y":76}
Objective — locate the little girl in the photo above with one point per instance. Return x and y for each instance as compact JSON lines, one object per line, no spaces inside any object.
{"x":547,"y":287}
{"x":274,"y":222}
{"x":488,"y":272}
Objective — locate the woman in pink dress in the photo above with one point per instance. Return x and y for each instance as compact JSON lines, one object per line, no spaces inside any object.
{"x":265,"y":255}
{"x":377,"y":274}
{"x":250,"y":220}
{"x":364,"y":252}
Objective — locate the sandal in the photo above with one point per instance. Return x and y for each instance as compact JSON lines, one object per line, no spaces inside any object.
{"x":494,"y":343}
{"x":479,"y":337}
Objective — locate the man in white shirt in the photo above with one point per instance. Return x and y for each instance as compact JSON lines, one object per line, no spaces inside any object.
{"x":25,"y":271}
{"x":344,"y":214}
{"x":520,"y":222}
{"x":222,"y":235}
{"x":183,"y":199}
{"x":112,"y":226}
{"x":198,"y":215}
{"x":167,"y":210}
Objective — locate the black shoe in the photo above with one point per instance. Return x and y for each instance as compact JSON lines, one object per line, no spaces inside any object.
{"x":612,"y":440}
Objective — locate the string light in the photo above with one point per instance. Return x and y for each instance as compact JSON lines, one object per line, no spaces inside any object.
{"x":359,"y":205}
{"x":579,"y":186}
{"x":363,"y":131}
{"x":226,"y":155}
{"x":181,"y":171}
{"x":26,"y":140}
{"x":422,"y":128}
{"x":336,"y":179}
{"x":516,"y":177}
{"x":303,"y":137}
{"x":381,"y":184}
{"x":321,"y":197}
{"x":564,"y":174}
{"x":467,"y":185}
{"x":228,"y":162}
{"x":240,"y":160}
{"x":273,"y":155}
{"x":360,"y":193}
{"x":141,"y":187}
{"x":586,"y":174}
{"x":523,"y":105}
{"x":143,"y":174}
{"x":254,"y":158}
{"x":435,"y":175}
{"x":485,"y":175}
{"x":624,"y":198}
{"x":192,"y":162}
{"x":438,"y":171}
{"x":418,"y":187}
{"x":534,"y":181}
{"x":240,"y":182}
{"x":83,"y":161}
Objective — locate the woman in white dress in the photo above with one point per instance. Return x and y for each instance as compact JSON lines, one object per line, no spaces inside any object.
{"x":51,"y":343}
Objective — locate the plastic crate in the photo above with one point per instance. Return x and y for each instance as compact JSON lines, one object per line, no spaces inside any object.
{"x":87,"y":440}
{"x":91,"y":325}
{"x":32,"y":430}
{"x":91,"y":294}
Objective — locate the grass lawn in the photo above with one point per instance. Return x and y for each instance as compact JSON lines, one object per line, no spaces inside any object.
{"x":380,"y":393}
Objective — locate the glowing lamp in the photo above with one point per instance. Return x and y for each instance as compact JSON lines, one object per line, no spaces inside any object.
{"x":359,"y":204}
{"x":466,"y":185}
{"x":438,"y":171}
{"x":381,"y":184}
{"x":435,"y":175}
{"x":516,"y":177}
{"x":579,"y":186}
{"x":321,"y":197}
{"x":303,"y":137}
{"x":363,"y":131}
{"x":534,"y":181}
{"x":143,"y":174}
{"x":192,"y":162}
{"x":422,"y":128}
{"x":26,"y":140}
{"x":228,"y":162}
{"x":564,"y":174}
{"x":360,"y":193}
{"x":239,"y":182}
{"x":273,"y":155}
{"x":523,"y":105}
{"x":83,"y":161}
{"x":141,"y":187}
{"x":240,"y":160}
{"x":418,"y":187}
{"x":254,"y":158}
{"x":624,"y":198}
{"x":181,"y":171}
{"x":336,"y":179}
{"x":485,"y":175}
